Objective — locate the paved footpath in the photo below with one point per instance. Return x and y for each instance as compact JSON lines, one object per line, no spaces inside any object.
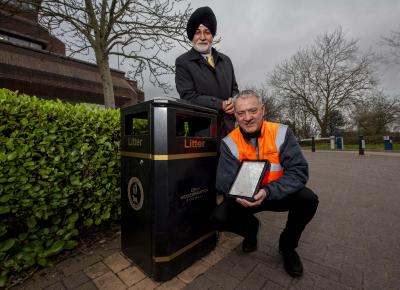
{"x":353,"y":242}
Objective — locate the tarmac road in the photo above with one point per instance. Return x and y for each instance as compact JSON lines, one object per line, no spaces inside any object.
{"x":353,"y":242}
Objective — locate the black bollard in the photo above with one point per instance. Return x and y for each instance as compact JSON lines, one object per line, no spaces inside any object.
{"x":361,"y":145}
{"x":312,"y":144}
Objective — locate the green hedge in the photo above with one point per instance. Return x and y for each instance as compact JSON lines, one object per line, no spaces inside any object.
{"x":59,"y":173}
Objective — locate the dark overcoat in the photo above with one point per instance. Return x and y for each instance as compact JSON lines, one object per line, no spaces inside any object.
{"x":198,"y":82}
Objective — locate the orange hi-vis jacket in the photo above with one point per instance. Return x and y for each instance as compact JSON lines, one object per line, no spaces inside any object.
{"x":269,"y":142}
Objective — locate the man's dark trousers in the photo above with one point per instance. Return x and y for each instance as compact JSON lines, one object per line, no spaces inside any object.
{"x":233,"y":217}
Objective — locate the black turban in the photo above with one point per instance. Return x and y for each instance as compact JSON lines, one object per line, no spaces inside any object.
{"x":202,"y":15}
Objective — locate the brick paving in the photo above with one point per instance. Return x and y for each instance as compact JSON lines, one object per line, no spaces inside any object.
{"x":353,"y":242}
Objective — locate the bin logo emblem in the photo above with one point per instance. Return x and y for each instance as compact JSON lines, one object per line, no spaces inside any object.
{"x":135,"y":193}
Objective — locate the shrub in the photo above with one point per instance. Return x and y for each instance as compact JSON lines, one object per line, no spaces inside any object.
{"x":59,"y":173}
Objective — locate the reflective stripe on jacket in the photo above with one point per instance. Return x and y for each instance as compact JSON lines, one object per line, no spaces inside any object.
{"x":269,"y":142}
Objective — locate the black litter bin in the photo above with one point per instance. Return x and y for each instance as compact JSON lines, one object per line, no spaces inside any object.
{"x":167,"y":184}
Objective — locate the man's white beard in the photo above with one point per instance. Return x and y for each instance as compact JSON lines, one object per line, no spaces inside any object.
{"x":202,"y":48}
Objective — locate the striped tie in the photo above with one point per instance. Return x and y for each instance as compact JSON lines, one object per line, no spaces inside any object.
{"x":210,"y":60}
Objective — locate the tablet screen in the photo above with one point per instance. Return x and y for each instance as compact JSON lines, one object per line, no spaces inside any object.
{"x":247,"y":179}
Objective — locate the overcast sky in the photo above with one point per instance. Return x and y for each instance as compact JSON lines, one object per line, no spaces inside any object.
{"x":259,"y":34}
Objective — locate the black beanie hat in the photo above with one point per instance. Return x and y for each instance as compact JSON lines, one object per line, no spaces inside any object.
{"x":202,"y":15}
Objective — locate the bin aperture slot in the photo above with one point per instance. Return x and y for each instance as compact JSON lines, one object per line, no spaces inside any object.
{"x":192,"y":126}
{"x":137,"y":124}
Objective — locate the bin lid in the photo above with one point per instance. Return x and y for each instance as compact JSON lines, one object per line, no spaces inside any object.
{"x":175,"y":102}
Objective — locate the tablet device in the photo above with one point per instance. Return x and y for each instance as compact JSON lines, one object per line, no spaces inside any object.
{"x":248,"y":179}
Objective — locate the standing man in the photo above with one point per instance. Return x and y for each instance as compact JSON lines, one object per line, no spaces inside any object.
{"x":283,"y":187}
{"x":205,"y":76}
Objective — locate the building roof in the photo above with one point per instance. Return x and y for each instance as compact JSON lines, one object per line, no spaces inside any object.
{"x":54,"y":76}
{"x":42,"y":69}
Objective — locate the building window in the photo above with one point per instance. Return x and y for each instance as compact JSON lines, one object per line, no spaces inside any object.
{"x":20,"y":41}
{"x":19,"y":4}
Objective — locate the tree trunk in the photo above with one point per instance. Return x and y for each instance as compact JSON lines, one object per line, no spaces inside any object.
{"x":324,"y":129}
{"x":108,"y":89}
{"x":324,"y":124}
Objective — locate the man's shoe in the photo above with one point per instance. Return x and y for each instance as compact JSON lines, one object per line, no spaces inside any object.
{"x":249,"y":244}
{"x":292,"y":262}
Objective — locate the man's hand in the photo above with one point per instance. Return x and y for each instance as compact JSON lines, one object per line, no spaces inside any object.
{"x":220,"y":199}
{"x":227,"y":106}
{"x":259,"y":197}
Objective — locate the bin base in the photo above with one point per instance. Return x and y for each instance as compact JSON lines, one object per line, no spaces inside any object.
{"x":166,"y":270}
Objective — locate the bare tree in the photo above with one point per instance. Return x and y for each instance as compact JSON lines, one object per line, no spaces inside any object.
{"x":324,"y":78}
{"x":336,"y":122}
{"x":138,"y":31}
{"x":301,"y":121}
{"x":393,"y":42}
{"x":376,"y":114}
{"x":277,"y":110}
{"x":273,"y":107}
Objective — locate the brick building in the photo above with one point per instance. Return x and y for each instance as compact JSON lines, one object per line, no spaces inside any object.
{"x":33,"y":61}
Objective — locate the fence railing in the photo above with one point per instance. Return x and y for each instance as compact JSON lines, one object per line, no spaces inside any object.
{"x":337,"y":143}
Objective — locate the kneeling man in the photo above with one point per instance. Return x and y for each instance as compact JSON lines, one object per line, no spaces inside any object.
{"x":283,"y":187}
